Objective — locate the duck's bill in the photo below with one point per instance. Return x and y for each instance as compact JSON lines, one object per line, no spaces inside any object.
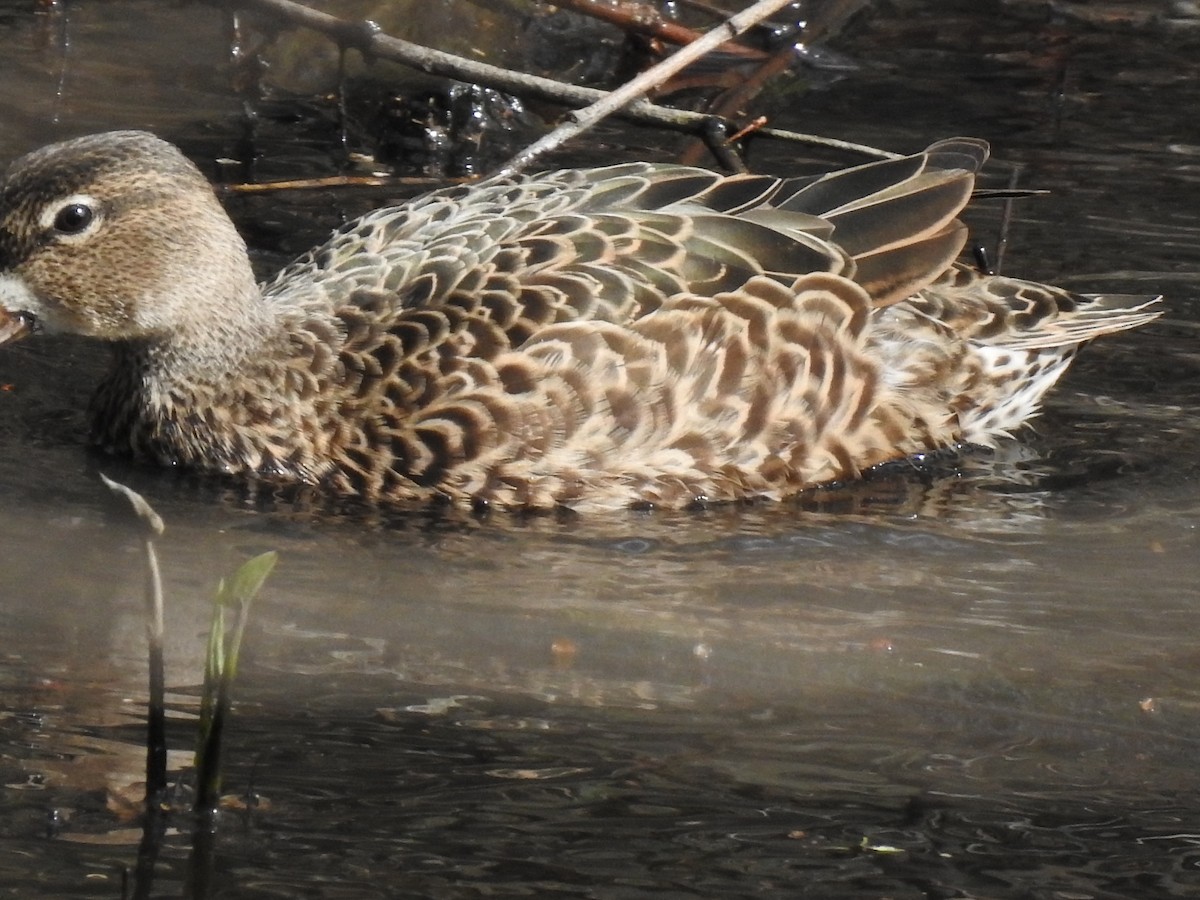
{"x":14,"y":326}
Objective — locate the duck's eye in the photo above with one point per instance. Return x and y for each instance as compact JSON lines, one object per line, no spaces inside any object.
{"x":74,"y":218}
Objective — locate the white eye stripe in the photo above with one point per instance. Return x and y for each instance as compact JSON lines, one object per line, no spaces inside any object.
{"x":51,"y":212}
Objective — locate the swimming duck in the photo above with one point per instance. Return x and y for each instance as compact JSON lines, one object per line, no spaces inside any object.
{"x":635,"y":334}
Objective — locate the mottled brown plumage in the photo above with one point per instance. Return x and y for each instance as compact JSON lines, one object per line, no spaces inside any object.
{"x":638,"y":333}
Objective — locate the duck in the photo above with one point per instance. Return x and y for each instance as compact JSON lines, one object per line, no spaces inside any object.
{"x":640,"y":334}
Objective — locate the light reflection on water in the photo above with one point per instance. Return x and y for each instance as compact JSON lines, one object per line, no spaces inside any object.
{"x":977,"y":679}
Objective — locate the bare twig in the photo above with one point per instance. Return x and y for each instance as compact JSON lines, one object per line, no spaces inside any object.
{"x":366,"y":37}
{"x":638,"y":86}
{"x":655,"y":26}
{"x":732,"y":101}
{"x":331,"y":181}
{"x":814,"y":140}
{"x":828,"y":18}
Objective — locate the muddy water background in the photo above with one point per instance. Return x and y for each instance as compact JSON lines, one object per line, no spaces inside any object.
{"x":975,"y":680}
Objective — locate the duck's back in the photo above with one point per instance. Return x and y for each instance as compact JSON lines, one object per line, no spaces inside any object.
{"x":612,"y":243}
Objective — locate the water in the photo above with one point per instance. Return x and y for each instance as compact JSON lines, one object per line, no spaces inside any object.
{"x":975,"y":679}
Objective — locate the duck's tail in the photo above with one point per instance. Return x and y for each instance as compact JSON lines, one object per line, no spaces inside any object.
{"x":1020,"y":337}
{"x":897,"y":218}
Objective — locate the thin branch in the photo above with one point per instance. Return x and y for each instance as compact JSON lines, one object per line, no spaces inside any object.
{"x":637,"y":87}
{"x":815,"y":140}
{"x":366,"y":37}
{"x":653,"y":26}
{"x":732,"y":101}
{"x":826,"y":19}
{"x":331,"y":181}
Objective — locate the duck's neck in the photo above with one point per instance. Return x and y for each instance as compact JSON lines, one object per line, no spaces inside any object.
{"x":197,"y":395}
{"x":231,"y":338}
{"x":203,"y":317}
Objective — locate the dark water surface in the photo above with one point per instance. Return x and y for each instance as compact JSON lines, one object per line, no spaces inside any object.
{"x":980,"y":679}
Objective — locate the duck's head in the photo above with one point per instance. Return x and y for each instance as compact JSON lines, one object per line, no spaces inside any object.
{"x":116,"y":236}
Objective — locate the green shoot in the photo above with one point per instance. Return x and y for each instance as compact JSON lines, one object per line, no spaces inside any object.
{"x":221,"y":660}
